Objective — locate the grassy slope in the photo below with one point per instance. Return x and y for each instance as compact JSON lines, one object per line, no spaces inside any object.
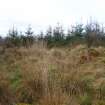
{"x":66,"y":76}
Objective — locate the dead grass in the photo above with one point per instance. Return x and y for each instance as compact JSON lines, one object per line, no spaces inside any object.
{"x":54,"y":76}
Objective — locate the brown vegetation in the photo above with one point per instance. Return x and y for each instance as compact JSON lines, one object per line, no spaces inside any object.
{"x":57,"y":76}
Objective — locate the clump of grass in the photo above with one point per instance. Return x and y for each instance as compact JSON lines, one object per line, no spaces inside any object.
{"x":85,"y":100}
{"x":100,"y":102}
{"x":6,"y":95}
{"x":56,"y":98}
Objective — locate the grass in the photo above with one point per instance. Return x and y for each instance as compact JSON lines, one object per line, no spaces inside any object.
{"x":57,"y":76}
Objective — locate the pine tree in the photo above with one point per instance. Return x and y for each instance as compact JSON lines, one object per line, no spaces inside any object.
{"x":29,"y":35}
{"x":49,"y":37}
{"x":13,"y":38}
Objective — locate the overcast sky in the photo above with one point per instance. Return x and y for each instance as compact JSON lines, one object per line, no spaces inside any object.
{"x":42,"y":13}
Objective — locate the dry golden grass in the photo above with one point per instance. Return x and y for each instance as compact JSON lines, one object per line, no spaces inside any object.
{"x":57,"y":76}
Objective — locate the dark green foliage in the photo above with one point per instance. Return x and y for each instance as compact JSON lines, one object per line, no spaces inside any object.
{"x":29,"y":37}
{"x":48,"y":37}
{"x":55,"y":37}
{"x":13,"y":39}
{"x":58,"y":33}
{"x":86,"y":100}
{"x":77,"y":30}
{"x":91,"y":34}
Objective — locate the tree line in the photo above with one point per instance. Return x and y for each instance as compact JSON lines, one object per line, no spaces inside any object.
{"x":91,"y":34}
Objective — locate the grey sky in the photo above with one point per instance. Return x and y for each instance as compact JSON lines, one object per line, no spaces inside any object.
{"x":42,"y":13}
